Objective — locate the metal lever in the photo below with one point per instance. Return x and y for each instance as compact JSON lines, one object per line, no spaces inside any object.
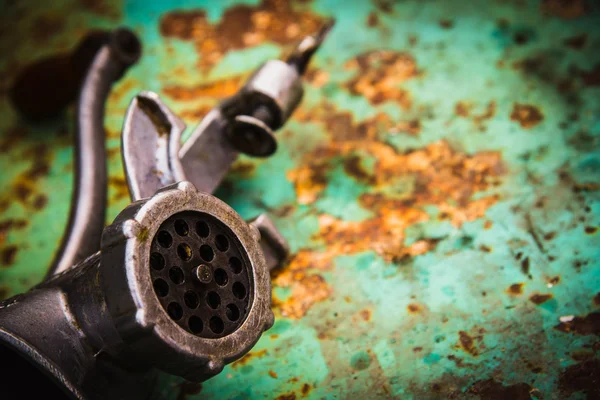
{"x":88,"y":205}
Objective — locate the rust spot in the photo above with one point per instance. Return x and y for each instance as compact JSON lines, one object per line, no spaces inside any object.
{"x":597,"y":299}
{"x":414,"y":308}
{"x":287,"y":396}
{"x":464,"y":109}
{"x":582,"y":377}
{"x":467,"y":343}
{"x":588,"y":325}
{"x":372,"y":20}
{"x":576,"y":42}
{"x":525,"y":266}
{"x":538,"y":298}
{"x":446,"y":23}
{"x":244,"y":169}
{"x":485,"y":249}
{"x":386,"y":6}
{"x":554,"y":280}
{"x":590,"y":230}
{"x":244,"y":360}
{"x":119,"y":185}
{"x":492,"y":390}
{"x":565,"y":9}
{"x":515,"y":289}
{"x":353,"y":167}
{"x":582,"y":355}
{"x":188,"y":388}
{"x":526,"y":115}
{"x":412,"y":127}
{"x":549,"y":235}
{"x":378,"y":75}
{"x":591,"y":78}
{"x":305,"y":389}
{"x":487,"y":225}
{"x":240,"y":27}
{"x":273,"y":374}
{"x":365,"y":314}
{"x":214,"y":90}
{"x":40,"y":201}
{"x":8,"y":254}
{"x":417,"y":349}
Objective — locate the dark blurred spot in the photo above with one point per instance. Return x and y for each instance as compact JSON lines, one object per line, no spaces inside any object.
{"x":576,"y":42}
{"x":591,"y":78}
{"x":446,"y":23}
{"x":588,"y":325}
{"x":372,"y":20}
{"x":188,"y":388}
{"x":526,"y":115}
{"x":8,"y":254}
{"x":565,"y":9}
{"x":45,"y":87}
{"x":583,"y":377}
{"x":538,"y":298}
{"x":492,"y":390}
{"x":467,"y":343}
{"x":515,"y":288}
{"x":525,"y":266}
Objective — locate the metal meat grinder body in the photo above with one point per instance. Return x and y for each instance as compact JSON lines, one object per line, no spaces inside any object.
{"x":179,"y":282}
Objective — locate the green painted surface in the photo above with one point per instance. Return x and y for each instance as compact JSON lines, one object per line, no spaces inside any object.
{"x":422,"y":206}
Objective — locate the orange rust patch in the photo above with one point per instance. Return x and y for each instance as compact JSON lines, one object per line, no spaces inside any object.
{"x":273,"y":374}
{"x":588,"y":325}
{"x":307,"y":286}
{"x":436,"y":175}
{"x":244,"y":360}
{"x":122,"y":89}
{"x":487,"y":225}
{"x":354,"y":168}
{"x":526,"y":115}
{"x":241,"y":26}
{"x":538,"y":298}
{"x":515,"y":289}
{"x":565,"y":9}
{"x":214,"y":90}
{"x":306,"y":389}
{"x":378,"y":74}
{"x":365,"y":314}
{"x":372,"y":20}
{"x":287,"y":396}
{"x":464,"y":109}
{"x":467,"y":343}
{"x":414,"y":308}
{"x":412,"y":128}
{"x":8,"y":254}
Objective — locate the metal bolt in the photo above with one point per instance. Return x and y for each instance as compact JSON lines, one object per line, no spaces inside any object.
{"x":203,"y":273}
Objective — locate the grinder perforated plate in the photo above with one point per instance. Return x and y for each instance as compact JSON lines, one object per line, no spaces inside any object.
{"x":200,"y":274}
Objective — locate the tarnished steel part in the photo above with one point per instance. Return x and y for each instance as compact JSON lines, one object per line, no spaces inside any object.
{"x":150,"y":146}
{"x":274,"y":246}
{"x":105,"y":331}
{"x":88,"y":204}
{"x":208,"y":154}
{"x":276,"y":84}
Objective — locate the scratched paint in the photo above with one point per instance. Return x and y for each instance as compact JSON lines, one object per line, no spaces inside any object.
{"x":439,"y":186}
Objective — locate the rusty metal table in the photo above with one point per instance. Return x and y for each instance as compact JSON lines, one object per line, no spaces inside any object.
{"x":439,"y":186}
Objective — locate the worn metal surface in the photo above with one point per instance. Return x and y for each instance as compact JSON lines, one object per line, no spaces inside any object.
{"x":439,"y":186}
